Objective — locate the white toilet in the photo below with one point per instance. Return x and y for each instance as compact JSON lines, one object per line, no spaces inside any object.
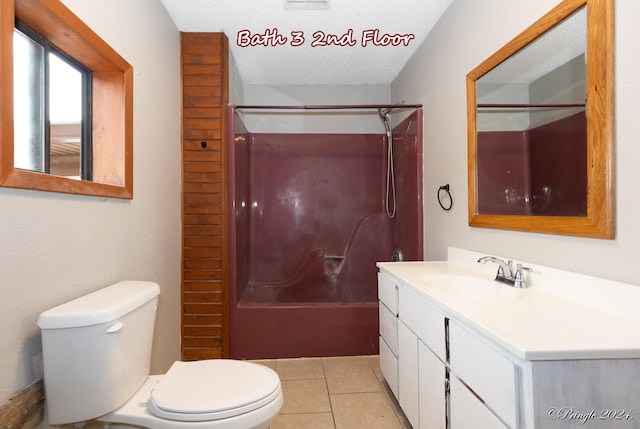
{"x":97,"y":350}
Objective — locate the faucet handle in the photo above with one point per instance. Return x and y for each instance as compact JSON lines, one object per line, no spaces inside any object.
{"x":520,"y":278}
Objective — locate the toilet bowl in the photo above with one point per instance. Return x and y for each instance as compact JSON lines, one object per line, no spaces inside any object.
{"x":221,"y":394}
{"x":97,"y":350}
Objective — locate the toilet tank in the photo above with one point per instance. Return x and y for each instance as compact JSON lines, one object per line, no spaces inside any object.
{"x":97,"y":350}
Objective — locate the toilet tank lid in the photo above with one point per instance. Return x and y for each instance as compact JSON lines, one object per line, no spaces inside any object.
{"x":104,"y":305}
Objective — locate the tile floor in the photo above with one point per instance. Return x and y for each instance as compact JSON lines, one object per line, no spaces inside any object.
{"x":335,"y":393}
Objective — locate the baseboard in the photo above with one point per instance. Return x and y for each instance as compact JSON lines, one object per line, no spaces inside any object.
{"x":25,"y":409}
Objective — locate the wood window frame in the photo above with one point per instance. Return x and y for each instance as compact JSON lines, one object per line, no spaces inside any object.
{"x":112,"y":103}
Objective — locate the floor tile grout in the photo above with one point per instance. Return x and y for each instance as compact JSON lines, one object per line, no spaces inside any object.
{"x":360,"y":397}
{"x":326,"y":383}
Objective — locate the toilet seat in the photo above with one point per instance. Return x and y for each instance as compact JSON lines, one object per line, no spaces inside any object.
{"x":213,"y":389}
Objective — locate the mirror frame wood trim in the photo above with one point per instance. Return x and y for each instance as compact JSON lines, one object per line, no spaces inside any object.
{"x":112,"y":80}
{"x":600,"y":219}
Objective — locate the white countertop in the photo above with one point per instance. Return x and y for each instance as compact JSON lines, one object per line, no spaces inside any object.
{"x":561,"y":316}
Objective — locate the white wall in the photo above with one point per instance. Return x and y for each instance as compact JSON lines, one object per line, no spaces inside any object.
{"x":467,"y":34}
{"x":301,"y":121}
{"x":56,"y":247}
{"x":236,"y":89}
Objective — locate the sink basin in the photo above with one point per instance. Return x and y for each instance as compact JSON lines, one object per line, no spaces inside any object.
{"x":473,"y":288}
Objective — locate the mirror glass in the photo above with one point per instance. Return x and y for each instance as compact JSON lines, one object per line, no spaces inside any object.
{"x":531,"y":143}
{"x":532,"y":137}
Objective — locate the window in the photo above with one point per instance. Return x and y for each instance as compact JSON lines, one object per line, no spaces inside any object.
{"x":66,"y":114}
{"x":51,"y":109}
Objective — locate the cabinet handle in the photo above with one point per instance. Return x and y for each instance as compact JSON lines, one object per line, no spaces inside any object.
{"x":446,"y":339}
{"x":447,"y":401}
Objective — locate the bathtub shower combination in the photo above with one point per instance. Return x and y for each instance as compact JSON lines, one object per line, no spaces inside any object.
{"x":311,"y":214}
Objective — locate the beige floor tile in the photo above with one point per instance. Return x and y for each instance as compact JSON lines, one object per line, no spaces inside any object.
{"x":352,"y":379}
{"x":335,"y":393}
{"x":374,"y":361}
{"x":379,"y":375}
{"x":299,"y":369}
{"x":303,"y":421}
{"x":404,"y":422}
{"x":363,"y":411}
{"x":345,"y":360}
{"x":305,"y":396}
{"x":271,"y":363}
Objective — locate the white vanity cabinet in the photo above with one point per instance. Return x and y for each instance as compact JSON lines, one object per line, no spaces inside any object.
{"x":467,"y":412}
{"x":388,"y":297}
{"x":432,"y":388}
{"x":408,"y":374}
{"x":415,"y":370}
{"x":461,"y":352}
{"x":482,"y":383}
{"x":422,"y":353}
{"x":423,"y":344}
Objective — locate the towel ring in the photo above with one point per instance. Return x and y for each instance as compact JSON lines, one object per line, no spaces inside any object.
{"x":445,"y":188}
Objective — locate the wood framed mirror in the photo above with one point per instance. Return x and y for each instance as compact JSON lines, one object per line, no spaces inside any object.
{"x":541,"y":127}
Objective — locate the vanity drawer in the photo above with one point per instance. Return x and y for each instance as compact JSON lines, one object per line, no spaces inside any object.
{"x":487,"y":372}
{"x":423,"y":319}
{"x":389,"y":366}
{"x":467,"y":412}
{"x":388,"y":293}
{"x":389,"y":328}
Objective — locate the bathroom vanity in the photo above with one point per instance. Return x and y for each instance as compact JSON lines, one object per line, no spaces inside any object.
{"x":462,"y":351}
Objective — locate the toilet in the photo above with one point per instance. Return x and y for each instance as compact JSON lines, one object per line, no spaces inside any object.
{"x":97,"y":351}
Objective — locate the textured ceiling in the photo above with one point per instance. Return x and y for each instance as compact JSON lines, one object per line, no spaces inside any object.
{"x":353,"y":22}
{"x":556,"y":47}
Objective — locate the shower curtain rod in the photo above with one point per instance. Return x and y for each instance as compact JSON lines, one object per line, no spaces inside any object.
{"x":527,"y":106}
{"x":333,"y":107}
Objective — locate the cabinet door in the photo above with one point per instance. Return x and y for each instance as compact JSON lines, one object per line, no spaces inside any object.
{"x":423,"y":319}
{"x":408,"y":374}
{"x":388,"y":292}
{"x":389,"y":327}
{"x":432,"y":403}
{"x":490,"y":374}
{"x":467,"y":412}
{"x":389,"y":366}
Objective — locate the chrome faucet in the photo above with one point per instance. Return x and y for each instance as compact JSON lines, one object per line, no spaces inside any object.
{"x":505,"y":272}
{"x":520,"y":278}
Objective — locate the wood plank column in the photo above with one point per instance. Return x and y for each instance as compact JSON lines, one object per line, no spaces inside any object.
{"x":204,"y":58}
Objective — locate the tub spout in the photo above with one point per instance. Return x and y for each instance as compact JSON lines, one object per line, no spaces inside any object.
{"x":333,"y":264}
